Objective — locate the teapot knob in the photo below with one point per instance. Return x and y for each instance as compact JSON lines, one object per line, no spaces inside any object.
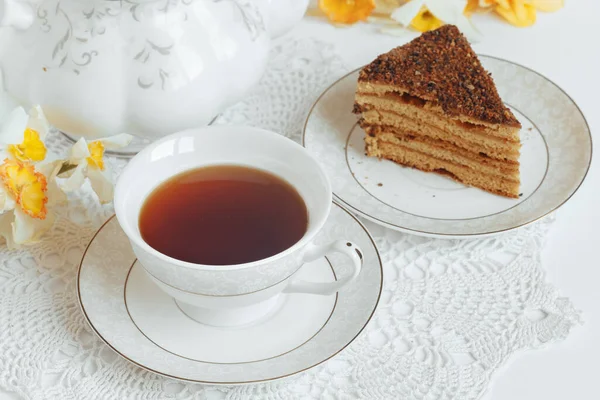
{"x":16,"y":14}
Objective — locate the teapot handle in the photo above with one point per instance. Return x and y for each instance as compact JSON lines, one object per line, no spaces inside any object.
{"x":16,"y":14}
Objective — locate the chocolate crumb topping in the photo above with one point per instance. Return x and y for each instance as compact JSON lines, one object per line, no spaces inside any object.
{"x":440,"y":66}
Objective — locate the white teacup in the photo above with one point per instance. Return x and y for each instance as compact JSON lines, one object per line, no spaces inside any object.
{"x":233,"y":294}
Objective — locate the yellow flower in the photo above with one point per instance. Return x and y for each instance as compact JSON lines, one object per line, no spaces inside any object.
{"x":425,"y":21}
{"x":472,"y":6}
{"x":521,"y":13}
{"x":347,"y":11}
{"x":517,"y":12}
{"x":96,"y":157}
{"x":86,"y":160}
{"x":425,"y":15}
{"x":22,"y":134}
{"x":27,"y":186}
{"x":32,"y":148}
{"x":548,"y":5}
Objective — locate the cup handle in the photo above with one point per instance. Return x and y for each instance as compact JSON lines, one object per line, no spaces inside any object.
{"x":349,"y":249}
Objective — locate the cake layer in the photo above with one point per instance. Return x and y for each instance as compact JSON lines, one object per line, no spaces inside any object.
{"x":424,"y":162}
{"x":380,"y":89}
{"x":448,"y":152}
{"x":420,"y":112}
{"x":489,"y":146}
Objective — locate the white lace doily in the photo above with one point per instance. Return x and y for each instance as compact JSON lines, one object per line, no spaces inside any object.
{"x":451,"y":312}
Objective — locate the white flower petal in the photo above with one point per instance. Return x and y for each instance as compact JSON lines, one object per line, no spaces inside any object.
{"x":68,"y":170}
{"x":6,"y":221}
{"x":7,"y":202}
{"x":451,"y":12}
{"x":49,"y":168}
{"x":79,"y":152}
{"x":12,"y":127}
{"x":3,"y":200}
{"x":101,"y":183}
{"x":50,"y":171}
{"x":38,"y":122}
{"x":116,"y":141}
{"x":446,"y":10}
{"x":55,"y":194}
{"x":26,"y":229}
{"x":76,"y":178}
{"x":407,"y":12}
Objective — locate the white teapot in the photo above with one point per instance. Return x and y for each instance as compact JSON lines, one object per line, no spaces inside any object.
{"x":146,"y":67}
{"x":283,"y":15}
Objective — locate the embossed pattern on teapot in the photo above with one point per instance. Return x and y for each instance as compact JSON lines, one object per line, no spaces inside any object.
{"x":147,"y":67}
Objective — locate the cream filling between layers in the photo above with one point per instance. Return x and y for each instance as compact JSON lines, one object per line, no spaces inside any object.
{"x":419,"y":113}
{"x":445,"y":151}
{"x":413,"y":158}
{"x":492,"y":147}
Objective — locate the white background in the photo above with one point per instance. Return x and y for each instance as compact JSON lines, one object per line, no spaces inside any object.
{"x":565,"y":47}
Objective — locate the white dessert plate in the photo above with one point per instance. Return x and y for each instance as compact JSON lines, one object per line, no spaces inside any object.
{"x":555,"y":158}
{"x":145,"y":326}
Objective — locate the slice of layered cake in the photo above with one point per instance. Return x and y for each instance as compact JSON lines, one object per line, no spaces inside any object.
{"x":430,"y":105}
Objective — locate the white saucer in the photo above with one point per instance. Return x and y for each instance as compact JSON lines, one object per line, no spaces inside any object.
{"x":145,"y":326}
{"x":555,"y":158}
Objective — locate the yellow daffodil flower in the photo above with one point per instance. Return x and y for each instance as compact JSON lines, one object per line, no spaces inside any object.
{"x":32,"y":148}
{"x":87,"y":161}
{"x":27,"y":186}
{"x":27,"y":176}
{"x":425,"y":21}
{"x":425,"y":15}
{"x":472,"y":6}
{"x":517,"y":12}
{"x":96,"y":158}
{"x":22,"y":135}
{"x":347,"y":11}
{"x":548,"y":5}
{"x":521,"y":13}
{"x":18,"y":226}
